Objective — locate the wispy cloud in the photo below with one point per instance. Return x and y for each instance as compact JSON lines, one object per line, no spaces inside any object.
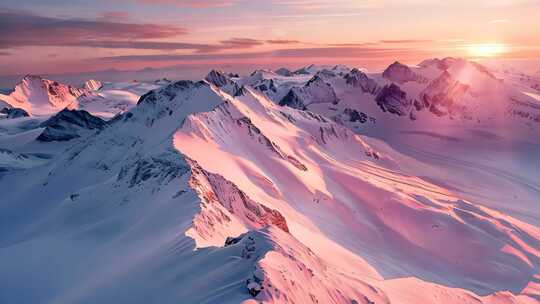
{"x":319,"y":5}
{"x":114,"y":16}
{"x":19,"y":28}
{"x":192,"y":3}
{"x":282,"y":41}
{"x":305,"y":53}
{"x":241,"y":42}
{"x":405,"y":41}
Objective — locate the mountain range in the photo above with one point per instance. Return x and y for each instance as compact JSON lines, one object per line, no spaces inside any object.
{"x":326,"y":184}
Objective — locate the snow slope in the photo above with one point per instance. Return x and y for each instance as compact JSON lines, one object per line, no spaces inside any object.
{"x":477,"y":127}
{"x":336,"y":177}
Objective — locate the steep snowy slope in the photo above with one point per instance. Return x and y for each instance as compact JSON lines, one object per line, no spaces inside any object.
{"x":115,"y":213}
{"x":339,"y":196}
{"x":112,"y":216}
{"x":479,"y":130}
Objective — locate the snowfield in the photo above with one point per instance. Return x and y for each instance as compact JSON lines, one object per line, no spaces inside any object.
{"x":322,"y":185}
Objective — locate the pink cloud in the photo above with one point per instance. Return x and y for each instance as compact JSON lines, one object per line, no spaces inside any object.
{"x":192,"y":3}
{"x":114,"y":15}
{"x":305,"y":53}
{"x":25,"y":29}
{"x":282,"y":41}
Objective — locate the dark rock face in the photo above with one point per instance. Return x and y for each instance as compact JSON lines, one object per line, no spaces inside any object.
{"x":160,"y":168}
{"x":67,"y":124}
{"x":233,"y":240}
{"x":316,"y":90}
{"x":293,"y":100}
{"x":441,"y":95}
{"x":215,"y":189}
{"x":218,"y":78}
{"x":169,"y":92}
{"x":240,"y":92}
{"x":303,"y":71}
{"x":401,"y":73}
{"x":357,"y":78}
{"x":283,"y":72}
{"x":266,"y":85}
{"x":14,"y":112}
{"x":355,"y":116}
{"x":222,"y":81}
{"x":325,"y":74}
{"x":392,"y":99}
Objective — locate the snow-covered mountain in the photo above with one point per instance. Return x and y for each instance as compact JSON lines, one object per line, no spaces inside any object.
{"x":435,"y":90}
{"x":42,"y":97}
{"x":324,"y":185}
{"x":93,"y":85}
{"x":69,"y":124}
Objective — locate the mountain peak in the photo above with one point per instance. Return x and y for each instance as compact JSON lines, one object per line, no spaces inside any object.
{"x":401,"y":73}
{"x":218,"y":78}
{"x":283,"y":72}
{"x":357,"y":78}
{"x":39,"y":95}
{"x":93,"y":85}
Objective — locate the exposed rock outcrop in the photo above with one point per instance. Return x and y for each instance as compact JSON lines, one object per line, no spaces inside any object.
{"x":357,"y":78}
{"x":69,"y":124}
{"x":442,"y":95}
{"x":14,"y":112}
{"x":392,"y":99}
{"x":316,"y":90}
{"x":284,"y":72}
{"x":93,"y":85}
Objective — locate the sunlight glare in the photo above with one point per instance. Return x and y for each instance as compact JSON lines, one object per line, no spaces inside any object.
{"x":486,"y":50}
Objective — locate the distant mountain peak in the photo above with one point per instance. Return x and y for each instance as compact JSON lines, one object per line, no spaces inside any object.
{"x":93,"y":85}
{"x":37,"y":94}
{"x":357,"y":78}
{"x":218,"y":78}
{"x":442,"y":94}
{"x":284,"y":72}
{"x":401,"y":73}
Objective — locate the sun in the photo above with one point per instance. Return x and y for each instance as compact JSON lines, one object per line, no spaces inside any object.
{"x":486,"y":50}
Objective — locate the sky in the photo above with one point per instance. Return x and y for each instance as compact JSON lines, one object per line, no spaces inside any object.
{"x":58,"y":37}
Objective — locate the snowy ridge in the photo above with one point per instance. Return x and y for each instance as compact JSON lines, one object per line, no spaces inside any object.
{"x":93,"y":85}
{"x":259,"y":180}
